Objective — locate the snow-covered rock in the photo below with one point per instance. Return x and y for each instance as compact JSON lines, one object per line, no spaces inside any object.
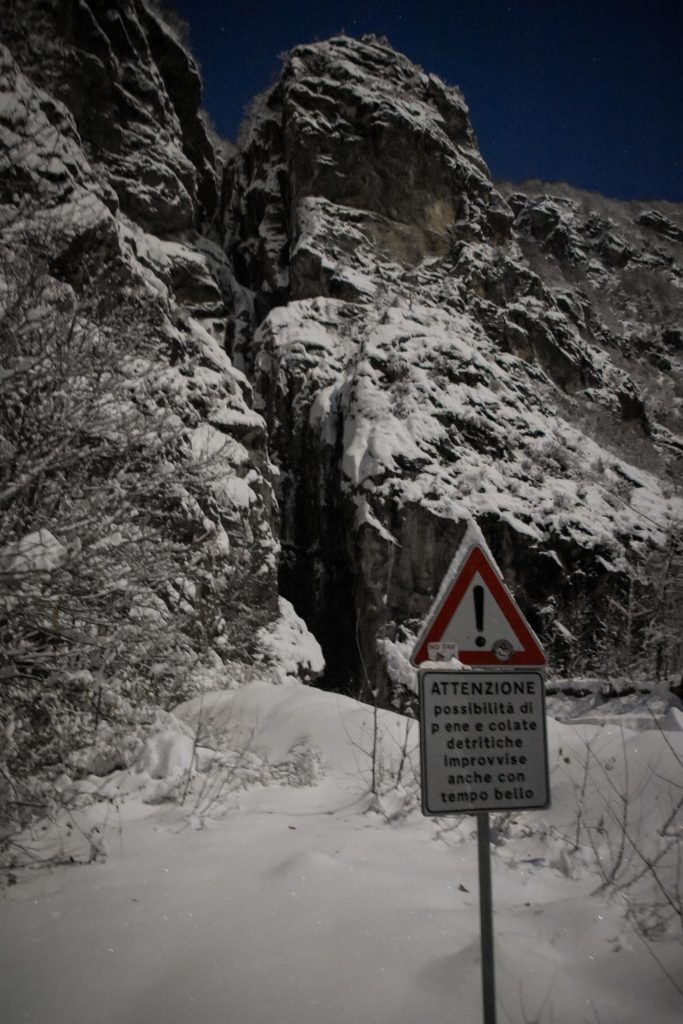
{"x":369,"y":343}
{"x":109,"y":291}
{"x":133,"y":93}
{"x":418,"y":364}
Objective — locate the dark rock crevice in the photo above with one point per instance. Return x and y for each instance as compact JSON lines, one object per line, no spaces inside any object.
{"x":317,"y":570}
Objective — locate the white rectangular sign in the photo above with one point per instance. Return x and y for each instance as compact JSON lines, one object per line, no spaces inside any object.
{"x":483,"y":740}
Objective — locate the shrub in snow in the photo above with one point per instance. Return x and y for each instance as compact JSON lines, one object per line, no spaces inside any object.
{"x":120,"y":589}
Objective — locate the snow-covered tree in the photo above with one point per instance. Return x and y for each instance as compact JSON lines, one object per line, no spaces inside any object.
{"x":118,"y":582}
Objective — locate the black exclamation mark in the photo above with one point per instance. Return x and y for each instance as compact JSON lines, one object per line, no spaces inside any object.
{"x":478,"y":595}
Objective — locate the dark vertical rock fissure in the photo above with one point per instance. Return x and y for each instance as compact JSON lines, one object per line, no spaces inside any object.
{"x":316,"y":571}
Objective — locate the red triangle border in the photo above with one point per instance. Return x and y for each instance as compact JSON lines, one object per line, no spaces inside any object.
{"x":531,"y":653}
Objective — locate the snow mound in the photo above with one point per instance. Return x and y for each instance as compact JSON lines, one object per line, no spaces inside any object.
{"x":277,"y":875}
{"x":167,"y":755}
{"x":291,"y":646}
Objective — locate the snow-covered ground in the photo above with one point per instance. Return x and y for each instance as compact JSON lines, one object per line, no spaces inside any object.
{"x":269,"y":886}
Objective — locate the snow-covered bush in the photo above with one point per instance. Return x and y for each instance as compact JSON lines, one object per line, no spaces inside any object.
{"x":117,"y":578}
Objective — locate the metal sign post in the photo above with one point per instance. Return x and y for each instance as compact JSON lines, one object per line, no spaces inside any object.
{"x":488,"y":971}
{"x":483,"y":748}
{"x":483,"y":740}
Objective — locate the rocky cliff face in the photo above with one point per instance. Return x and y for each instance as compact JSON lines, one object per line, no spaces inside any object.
{"x":428,"y":347}
{"x":363,"y":324}
{"x":118,"y":169}
{"x":139,"y":539}
{"x":133,"y":94}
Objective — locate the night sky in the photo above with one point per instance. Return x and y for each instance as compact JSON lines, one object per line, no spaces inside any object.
{"x":585,"y":92}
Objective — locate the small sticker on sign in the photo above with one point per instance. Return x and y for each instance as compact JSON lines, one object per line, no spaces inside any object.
{"x":502,"y":649}
{"x":443,"y":651}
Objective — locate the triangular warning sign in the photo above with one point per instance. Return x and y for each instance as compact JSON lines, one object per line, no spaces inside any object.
{"x":476,"y":620}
